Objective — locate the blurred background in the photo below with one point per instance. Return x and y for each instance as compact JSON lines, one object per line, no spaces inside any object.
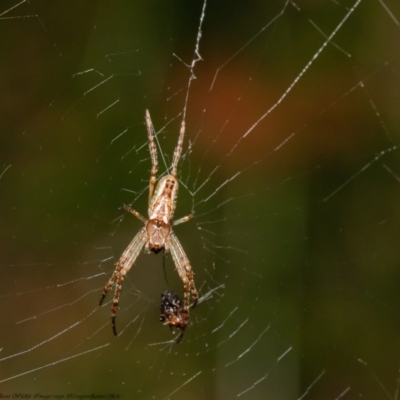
{"x":289,"y":164}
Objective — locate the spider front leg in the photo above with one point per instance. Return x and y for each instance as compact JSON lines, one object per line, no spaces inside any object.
{"x":153,"y":154}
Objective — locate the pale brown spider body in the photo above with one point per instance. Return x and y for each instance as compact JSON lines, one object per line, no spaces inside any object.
{"x":157,"y":233}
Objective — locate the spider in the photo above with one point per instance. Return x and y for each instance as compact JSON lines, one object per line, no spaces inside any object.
{"x":172,"y":312}
{"x":157,"y":234}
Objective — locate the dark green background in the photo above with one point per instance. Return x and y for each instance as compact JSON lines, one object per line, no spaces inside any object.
{"x":296,"y":265}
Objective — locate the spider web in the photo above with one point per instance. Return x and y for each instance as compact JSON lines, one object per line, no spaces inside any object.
{"x":290,"y":165}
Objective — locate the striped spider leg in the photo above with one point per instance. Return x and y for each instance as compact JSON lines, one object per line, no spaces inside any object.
{"x":157,"y":234}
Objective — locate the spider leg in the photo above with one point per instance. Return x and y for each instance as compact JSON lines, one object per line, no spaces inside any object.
{"x":123,"y":266}
{"x":136,"y":214}
{"x":178,"y":150}
{"x":153,"y":154}
{"x":109,"y":284}
{"x":185,"y":272}
{"x":179,"y":338}
{"x":182,"y":220}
